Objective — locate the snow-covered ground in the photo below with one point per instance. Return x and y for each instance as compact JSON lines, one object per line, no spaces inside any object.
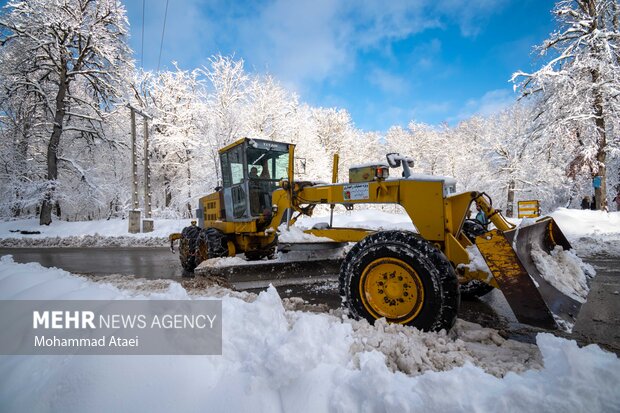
{"x":113,"y":232}
{"x":278,"y":359}
{"x":590,"y":232}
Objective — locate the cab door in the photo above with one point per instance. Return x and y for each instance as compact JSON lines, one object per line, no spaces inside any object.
{"x":235,"y":183}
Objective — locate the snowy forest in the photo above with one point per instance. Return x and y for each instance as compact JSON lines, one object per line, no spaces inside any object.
{"x":67,"y":75}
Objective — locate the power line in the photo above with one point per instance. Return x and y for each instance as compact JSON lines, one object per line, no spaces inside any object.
{"x":142,"y":45}
{"x":163,"y":30}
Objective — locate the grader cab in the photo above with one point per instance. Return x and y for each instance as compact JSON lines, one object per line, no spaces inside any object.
{"x":412,"y":278}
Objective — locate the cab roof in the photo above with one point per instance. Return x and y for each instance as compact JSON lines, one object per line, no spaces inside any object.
{"x":243,"y":140}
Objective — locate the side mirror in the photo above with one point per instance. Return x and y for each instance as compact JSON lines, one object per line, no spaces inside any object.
{"x":393,"y":159}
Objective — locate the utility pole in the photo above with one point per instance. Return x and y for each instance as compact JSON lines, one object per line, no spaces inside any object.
{"x":135,"y":213}
{"x":147,"y":222}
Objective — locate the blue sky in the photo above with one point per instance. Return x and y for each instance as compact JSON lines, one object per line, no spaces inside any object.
{"x":386,"y":62}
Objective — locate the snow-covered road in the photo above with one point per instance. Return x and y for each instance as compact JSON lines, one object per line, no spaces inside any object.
{"x":278,"y":359}
{"x":278,"y":356}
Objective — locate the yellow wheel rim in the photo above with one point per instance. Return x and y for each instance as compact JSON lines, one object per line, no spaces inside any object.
{"x":391,"y":288}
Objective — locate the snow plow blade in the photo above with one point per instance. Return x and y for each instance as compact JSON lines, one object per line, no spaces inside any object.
{"x":533,"y":300}
{"x":272,"y":271}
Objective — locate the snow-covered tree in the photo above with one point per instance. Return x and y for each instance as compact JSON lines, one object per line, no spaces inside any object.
{"x":272,"y":111}
{"x":580,"y":85}
{"x":227,"y":96}
{"x":67,"y":55}
{"x":174,"y":99}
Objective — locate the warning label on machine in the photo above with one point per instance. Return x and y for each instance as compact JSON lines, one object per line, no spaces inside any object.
{"x":355,"y":192}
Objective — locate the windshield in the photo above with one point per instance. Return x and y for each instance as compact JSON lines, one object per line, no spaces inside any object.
{"x":267,"y":164}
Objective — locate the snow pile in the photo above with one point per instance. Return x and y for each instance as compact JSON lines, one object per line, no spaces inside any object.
{"x":296,"y":234}
{"x":292,"y":256}
{"x":413,"y":352}
{"x":223,"y":262}
{"x":564,"y":270}
{"x":101,"y":233}
{"x":279,"y":360}
{"x":85,"y":241}
{"x":590,"y":232}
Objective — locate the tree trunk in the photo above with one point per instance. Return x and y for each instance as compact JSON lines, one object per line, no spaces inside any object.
{"x":167,"y":190}
{"x":189,"y":188}
{"x":601,"y":192}
{"x":510,"y":204}
{"x":57,"y":208}
{"x":16,"y":209}
{"x":22,"y":154}
{"x":52,"y":149}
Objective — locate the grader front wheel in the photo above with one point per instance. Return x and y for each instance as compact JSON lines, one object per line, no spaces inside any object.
{"x":402,"y":277}
{"x":189,"y":249}
{"x":197,"y":244}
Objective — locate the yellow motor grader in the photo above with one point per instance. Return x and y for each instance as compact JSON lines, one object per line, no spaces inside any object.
{"x":413,"y":278}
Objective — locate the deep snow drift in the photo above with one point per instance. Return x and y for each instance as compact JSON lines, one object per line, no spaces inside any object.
{"x":276,"y":359}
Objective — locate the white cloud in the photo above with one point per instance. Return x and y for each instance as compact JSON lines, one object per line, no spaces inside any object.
{"x":313,"y":40}
{"x":301,"y":42}
{"x":388,"y":82}
{"x":298,"y":40}
{"x":427,"y":52}
{"x":491,"y":102}
{"x":470,"y":15}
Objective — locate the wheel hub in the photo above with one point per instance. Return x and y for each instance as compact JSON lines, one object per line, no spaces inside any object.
{"x":391,"y":288}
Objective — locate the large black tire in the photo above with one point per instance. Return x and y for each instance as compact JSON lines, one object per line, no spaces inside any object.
{"x":197,"y":244}
{"x":215,"y":243}
{"x":188,"y":245}
{"x":474,"y":289}
{"x":402,"y":277}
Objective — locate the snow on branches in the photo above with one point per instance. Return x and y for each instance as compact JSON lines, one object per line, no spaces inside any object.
{"x":67,"y":59}
{"x":578,"y":89}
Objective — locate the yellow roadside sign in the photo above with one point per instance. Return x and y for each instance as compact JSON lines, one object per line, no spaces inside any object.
{"x":529,"y":209}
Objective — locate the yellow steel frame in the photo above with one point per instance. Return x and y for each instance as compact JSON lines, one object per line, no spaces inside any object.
{"x":437,"y":218}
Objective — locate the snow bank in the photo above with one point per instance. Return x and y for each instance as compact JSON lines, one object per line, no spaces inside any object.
{"x":577,"y":222}
{"x":280,"y":360}
{"x":590,"y":232}
{"x":102,"y":233}
{"x":85,"y":241}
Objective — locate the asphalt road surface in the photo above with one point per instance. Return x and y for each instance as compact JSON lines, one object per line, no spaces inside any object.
{"x":598,"y":321}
